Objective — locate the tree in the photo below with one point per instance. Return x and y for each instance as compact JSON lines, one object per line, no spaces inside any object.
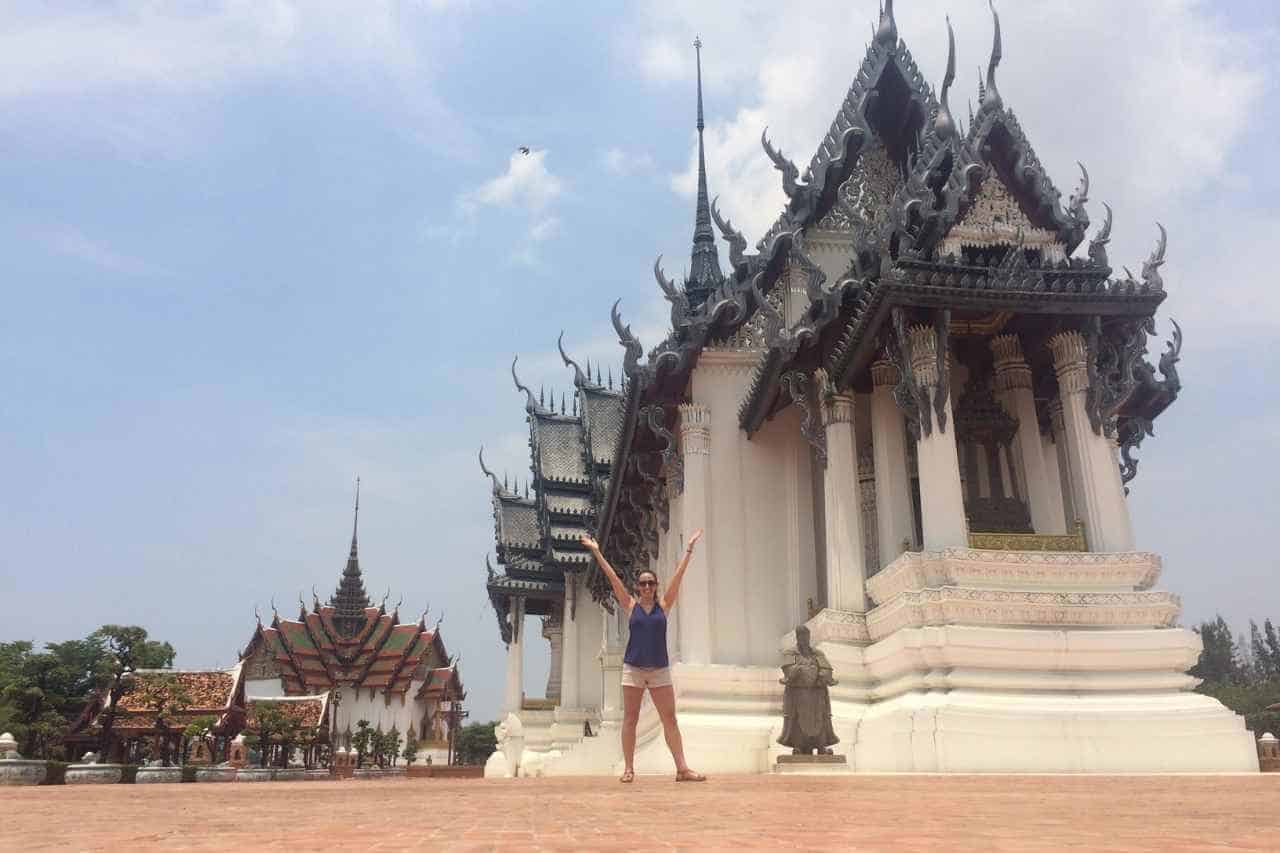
{"x":361,"y":741}
{"x":393,"y":745}
{"x":270,"y":726}
{"x":127,"y":650}
{"x":410,"y":753}
{"x":1273,"y":646}
{"x":1220,"y":661}
{"x":474,"y":743}
{"x":201,"y":729}
{"x":166,"y":698}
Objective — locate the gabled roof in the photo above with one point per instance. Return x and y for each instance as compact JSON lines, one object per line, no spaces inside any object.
{"x":928,"y":212}
{"x":311,"y":713}
{"x":203,"y":692}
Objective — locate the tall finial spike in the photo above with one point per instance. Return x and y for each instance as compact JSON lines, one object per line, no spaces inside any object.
{"x":355,"y":524}
{"x":705,"y":261}
{"x":697,"y":46}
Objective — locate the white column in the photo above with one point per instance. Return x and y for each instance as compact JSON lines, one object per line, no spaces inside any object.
{"x":514,"y":697}
{"x":893,"y":483}
{"x":611,"y":648}
{"x":846,"y":563}
{"x":1095,"y":476}
{"x":696,"y":629}
{"x":570,"y":696}
{"x":1061,"y":462}
{"x":941,"y":498}
{"x":1059,"y":505}
{"x":553,"y":633}
{"x":1013,"y":389}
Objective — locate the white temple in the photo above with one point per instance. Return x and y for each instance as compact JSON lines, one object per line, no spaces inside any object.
{"x":906,"y":421}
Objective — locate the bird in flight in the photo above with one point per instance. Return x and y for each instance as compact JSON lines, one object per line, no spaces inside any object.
{"x":524,"y":149}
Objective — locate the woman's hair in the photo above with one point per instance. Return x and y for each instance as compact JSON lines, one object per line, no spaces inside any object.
{"x":643,"y":572}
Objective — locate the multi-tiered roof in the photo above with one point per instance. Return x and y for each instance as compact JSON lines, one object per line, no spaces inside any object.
{"x":347,"y":641}
{"x":538,"y":532}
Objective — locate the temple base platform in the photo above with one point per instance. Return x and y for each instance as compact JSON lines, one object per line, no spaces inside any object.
{"x":971,"y":661}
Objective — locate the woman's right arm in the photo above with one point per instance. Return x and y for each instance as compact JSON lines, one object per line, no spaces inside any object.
{"x":620,"y":591}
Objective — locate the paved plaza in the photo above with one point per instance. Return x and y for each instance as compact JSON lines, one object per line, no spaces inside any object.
{"x":1117,"y":813}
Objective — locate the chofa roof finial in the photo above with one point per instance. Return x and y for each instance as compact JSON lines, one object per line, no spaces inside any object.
{"x":631,"y":359}
{"x":531,"y":404}
{"x":887,"y":31}
{"x":579,"y":379}
{"x":990,"y":98}
{"x":1151,"y":267}
{"x":945,"y":125}
{"x":493,"y":478}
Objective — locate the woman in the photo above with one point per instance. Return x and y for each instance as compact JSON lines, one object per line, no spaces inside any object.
{"x":645,"y":664}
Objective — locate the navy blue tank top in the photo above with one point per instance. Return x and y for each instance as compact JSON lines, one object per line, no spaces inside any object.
{"x":647,"y":645}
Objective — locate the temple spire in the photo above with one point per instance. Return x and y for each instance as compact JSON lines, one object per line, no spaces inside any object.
{"x":704,"y":269}
{"x":350,"y":598}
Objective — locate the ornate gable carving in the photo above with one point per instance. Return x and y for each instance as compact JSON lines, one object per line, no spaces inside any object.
{"x":996,"y":220}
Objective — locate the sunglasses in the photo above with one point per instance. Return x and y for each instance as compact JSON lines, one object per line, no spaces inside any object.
{"x":646,"y":583}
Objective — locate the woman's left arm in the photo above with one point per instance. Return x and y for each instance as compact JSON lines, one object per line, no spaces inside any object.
{"x":673,"y":588}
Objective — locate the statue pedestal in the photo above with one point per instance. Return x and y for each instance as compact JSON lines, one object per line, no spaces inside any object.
{"x":811,"y":765}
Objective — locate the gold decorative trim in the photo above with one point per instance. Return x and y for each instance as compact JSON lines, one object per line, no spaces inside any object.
{"x":982,"y":326}
{"x":1073,"y":541}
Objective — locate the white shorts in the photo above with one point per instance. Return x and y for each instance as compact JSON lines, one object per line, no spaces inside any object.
{"x":645,"y":676}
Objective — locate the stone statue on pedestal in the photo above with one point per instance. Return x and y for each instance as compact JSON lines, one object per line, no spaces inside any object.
{"x":806,"y":702}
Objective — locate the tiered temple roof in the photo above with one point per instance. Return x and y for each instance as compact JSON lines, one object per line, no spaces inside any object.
{"x":537,"y":534}
{"x":346,"y":641}
{"x":961,"y":227}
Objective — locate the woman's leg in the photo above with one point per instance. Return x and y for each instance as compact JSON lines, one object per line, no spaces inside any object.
{"x":631,"y":699}
{"x":664,"y":700}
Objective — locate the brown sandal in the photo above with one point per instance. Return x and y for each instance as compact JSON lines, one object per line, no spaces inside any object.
{"x":690,"y":776}
{"x":628,"y":776}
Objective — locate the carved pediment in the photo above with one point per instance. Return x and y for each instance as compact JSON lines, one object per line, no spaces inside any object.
{"x":995,"y":220}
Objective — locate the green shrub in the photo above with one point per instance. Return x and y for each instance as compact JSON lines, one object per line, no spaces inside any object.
{"x":55,"y":773}
{"x":129,"y":775}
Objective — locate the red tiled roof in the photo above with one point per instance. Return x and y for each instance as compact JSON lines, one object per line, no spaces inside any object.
{"x":314,"y":657}
{"x":306,"y":711}
{"x":205,"y":689}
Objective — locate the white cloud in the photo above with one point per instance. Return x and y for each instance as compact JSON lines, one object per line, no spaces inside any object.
{"x":622,"y":162}
{"x":1157,"y":119}
{"x":73,"y":243}
{"x":544,"y":229}
{"x":527,"y":188}
{"x":60,"y":48}
{"x":527,"y":184}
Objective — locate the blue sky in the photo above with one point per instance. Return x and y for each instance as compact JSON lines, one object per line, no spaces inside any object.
{"x":250,"y":250}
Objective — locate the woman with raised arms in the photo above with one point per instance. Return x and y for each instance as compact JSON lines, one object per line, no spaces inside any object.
{"x":645,"y":664}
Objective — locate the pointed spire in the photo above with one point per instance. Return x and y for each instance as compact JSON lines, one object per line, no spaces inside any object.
{"x":705,"y":273}
{"x":350,"y":598}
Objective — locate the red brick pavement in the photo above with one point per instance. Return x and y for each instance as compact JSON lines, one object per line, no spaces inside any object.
{"x":942,"y":813}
